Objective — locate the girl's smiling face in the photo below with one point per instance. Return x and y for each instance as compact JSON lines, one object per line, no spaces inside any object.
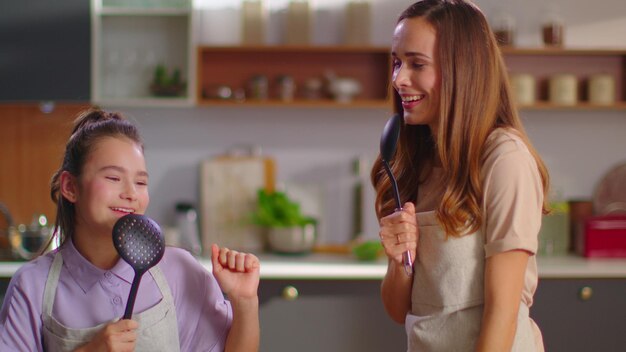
{"x":415,"y":71}
{"x":113,"y":183}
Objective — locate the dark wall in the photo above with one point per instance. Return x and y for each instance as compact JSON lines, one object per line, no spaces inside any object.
{"x":45,"y":50}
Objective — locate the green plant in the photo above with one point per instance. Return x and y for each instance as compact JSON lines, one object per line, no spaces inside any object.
{"x":275,"y":209}
{"x":368,"y":250}
{"x":166,"y":84}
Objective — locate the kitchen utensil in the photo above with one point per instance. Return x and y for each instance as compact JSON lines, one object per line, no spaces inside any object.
{"x":388,"y":142}
{"x":139,"y":241}
{"x":610,"y":194}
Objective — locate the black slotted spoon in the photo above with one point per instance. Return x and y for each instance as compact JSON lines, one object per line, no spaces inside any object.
{"x":388,"y":142}
{"x":139,"y":241}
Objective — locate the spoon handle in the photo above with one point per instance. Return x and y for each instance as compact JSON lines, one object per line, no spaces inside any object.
{"x":394,"y":184}
{"x":407,"y":258}
{"x":408,"y":263}
{"x":130,"y":304}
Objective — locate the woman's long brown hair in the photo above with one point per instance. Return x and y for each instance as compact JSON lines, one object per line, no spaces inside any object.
{"x":474,"y":100}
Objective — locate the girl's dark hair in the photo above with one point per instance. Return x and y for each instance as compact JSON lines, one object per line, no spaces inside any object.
{"x":89,"y":128}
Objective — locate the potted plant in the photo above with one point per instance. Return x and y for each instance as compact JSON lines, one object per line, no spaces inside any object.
{"x":287,"y":229}
{"x":165,"y":84}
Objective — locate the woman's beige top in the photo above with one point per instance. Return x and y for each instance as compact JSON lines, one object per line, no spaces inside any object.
{"x":448,"y":294}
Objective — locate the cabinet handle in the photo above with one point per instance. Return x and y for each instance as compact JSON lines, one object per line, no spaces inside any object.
{"x":290,"y":293}
{"x":585,"y":293}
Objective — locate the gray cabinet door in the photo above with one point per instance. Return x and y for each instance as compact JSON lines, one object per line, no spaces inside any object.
{"x":581,"y":315}
{"x":45,"y":50}
{"x":327,"y":315}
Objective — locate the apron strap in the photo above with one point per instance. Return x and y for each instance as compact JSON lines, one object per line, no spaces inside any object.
{"x":51,"y":285}
{"x":161,"y":282}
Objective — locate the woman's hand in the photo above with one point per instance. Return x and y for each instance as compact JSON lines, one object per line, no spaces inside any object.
{"x":119,"y":336}
{"x":399,"y":233}
{"x":236,"y":272}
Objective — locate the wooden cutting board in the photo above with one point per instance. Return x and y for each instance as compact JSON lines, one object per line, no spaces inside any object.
{"x":228,"y":196}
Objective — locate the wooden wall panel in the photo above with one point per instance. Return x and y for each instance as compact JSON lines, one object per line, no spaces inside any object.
{"x":31,"y":148}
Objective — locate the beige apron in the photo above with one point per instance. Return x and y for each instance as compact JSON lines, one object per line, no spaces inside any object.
{"x":447,"y":294}
{"x":158,"y":329}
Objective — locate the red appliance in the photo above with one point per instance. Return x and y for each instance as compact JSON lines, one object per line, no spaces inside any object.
{"x":605,"y":236}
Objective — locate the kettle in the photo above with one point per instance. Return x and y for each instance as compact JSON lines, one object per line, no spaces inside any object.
{"x":29,"y":241}
{"x":22,"y":241}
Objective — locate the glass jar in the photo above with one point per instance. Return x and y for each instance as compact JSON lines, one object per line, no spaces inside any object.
{"x":553,"y":27}
{"x":504,"y":29}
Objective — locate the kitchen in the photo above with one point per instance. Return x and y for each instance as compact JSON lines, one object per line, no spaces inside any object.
{"x":321,"y":140}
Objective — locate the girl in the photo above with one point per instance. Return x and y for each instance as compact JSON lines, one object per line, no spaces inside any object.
{"x":474,"y":189}
{"x":72,"y":298}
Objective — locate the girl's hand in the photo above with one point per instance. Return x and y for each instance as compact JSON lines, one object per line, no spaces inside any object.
{"x":399,"y":233}
{"x":237,"y":273}
{"x":119,"y":336}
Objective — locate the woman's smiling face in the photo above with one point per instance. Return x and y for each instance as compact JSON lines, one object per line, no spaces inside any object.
{"x":415,"y":71}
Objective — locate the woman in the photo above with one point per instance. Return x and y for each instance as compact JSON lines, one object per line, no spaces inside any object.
{"x":474,"y":189}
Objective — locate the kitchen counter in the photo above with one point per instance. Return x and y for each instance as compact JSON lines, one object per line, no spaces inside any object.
{"x":344,"y":267}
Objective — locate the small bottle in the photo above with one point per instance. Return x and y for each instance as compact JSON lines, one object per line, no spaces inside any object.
{"x":187,"y":223}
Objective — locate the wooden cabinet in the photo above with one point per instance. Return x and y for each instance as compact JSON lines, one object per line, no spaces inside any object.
{"x":235,"y":68}
{"x":544,"y":63}
{"x":129,"y":41}
{"x":326,"y":315}
{"x":44,"y":53}
{"x":581,"y":314}
{"x":31,"y":148}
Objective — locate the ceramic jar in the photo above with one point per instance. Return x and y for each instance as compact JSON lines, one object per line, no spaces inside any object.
{"x":602,"y":89}
{"x":563,"y":89}
{"x":524,"y":88}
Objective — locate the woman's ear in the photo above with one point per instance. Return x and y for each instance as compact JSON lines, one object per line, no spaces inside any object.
{"x":69,"y":186}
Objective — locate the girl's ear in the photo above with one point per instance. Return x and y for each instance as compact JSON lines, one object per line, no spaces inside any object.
{"x":69,"y":186}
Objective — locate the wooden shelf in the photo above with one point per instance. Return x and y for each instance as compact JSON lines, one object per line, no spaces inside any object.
{"x":300,"y":103}
{"x":583,"y":106}
{"x":542,"y":63}
{"x":235,"y":66}
{"x":562,"y":51}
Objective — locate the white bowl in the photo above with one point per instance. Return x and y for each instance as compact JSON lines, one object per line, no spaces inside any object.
{"x":291,"y":240}
{"x":344,"y":89}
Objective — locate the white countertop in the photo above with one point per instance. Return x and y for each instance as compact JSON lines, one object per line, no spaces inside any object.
{"x":336,"y":266}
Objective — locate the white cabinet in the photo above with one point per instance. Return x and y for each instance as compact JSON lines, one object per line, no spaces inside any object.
{"x":130,"y":39}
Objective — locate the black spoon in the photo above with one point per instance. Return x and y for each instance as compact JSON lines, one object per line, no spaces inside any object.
{"x":388,"y":142}
{"x":139,"y":241}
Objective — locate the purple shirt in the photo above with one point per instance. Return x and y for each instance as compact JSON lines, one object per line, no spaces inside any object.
{"x":87,"y":296}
